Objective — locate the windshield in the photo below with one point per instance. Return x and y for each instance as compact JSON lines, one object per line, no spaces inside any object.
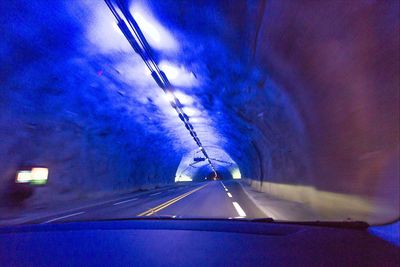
{"x":199,"y":109}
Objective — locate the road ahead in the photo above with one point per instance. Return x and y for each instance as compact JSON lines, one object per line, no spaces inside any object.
{"x":215,"y":199}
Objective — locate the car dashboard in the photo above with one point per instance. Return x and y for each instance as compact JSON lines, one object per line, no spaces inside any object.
{"x":163,"y":242}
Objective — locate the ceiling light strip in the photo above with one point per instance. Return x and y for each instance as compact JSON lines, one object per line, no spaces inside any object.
{"x":144,"y":50}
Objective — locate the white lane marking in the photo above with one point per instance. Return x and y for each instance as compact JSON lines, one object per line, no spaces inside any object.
{"x":239,"y":209}
{"x":124,"y":201}
{"x":63,"y":217}
{"x":229,"y":195}
{"x":155,"y":194}
{"x":226,"y":190}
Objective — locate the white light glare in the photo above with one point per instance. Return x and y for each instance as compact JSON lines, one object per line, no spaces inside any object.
{"x":178,"y":75}
{"x":116,"y":28}
{"x":170,"y":70}
{"x":23,"y":177}
{"x":197,"y":120}
{"x":148,"y":29}
{"x":37,"y":175}
{"x":184,"y":98}
{"x":183,"y":178}
{"x":170,"y":96}
{"x":191,"y":111}
{"x":236,"y":173}
{"x":102,"y":32}
{"x":156,"y":34}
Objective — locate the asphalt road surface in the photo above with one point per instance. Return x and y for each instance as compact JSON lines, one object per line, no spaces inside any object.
{"x":212,"y":199}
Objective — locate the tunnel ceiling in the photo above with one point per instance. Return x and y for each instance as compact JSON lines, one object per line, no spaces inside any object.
{"x":293,"y":93}
{"x":208,"y":78}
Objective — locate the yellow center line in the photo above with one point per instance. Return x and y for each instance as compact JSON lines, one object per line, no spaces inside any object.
{"x":169,"y":202}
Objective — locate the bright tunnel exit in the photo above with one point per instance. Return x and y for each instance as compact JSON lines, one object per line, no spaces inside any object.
{"x":236,"y":173}
{"x":193,"y":167}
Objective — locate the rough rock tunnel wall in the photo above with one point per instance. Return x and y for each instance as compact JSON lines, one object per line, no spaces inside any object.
{"x":339,"y":63}
{"x":60,"y":111}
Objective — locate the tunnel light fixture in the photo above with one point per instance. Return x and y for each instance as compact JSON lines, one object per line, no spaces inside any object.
{"x":183,"y":178}
{"x":23,"y":176}
{"x":236,"y":173}
{"x":39,"y":176}
{"x":34,"y":176}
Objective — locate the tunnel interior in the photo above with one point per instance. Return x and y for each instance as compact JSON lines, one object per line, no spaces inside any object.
{"x":299,"y":100}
